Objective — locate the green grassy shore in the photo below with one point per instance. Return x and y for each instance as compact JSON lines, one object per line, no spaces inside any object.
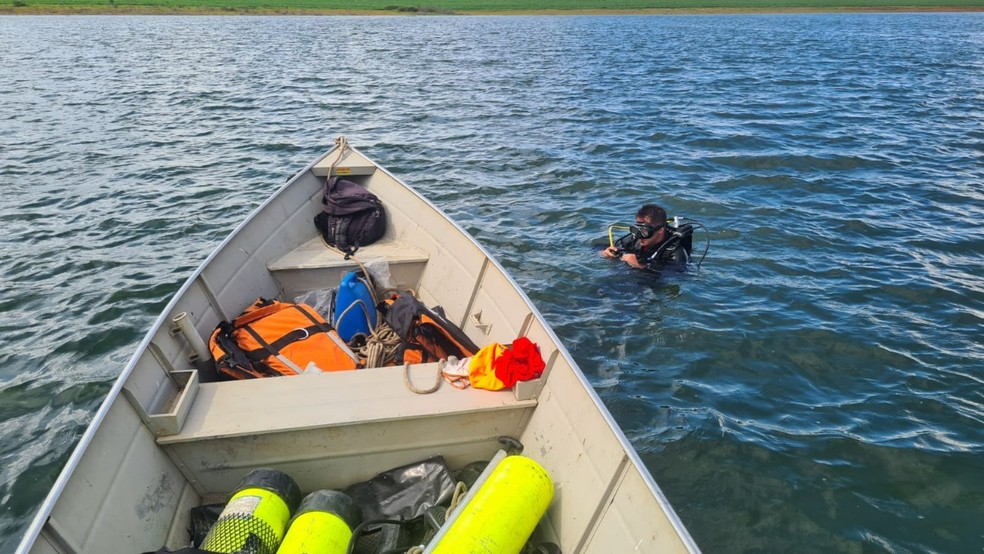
{"x":472,"y":7}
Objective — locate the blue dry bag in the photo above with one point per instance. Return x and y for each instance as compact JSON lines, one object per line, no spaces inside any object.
{"x":355,"y":311}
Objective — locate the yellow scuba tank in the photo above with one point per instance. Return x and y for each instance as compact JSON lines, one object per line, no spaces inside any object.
{"x":255,"y":518}
{"x":503,"y":512}
{"x":323,"y":524}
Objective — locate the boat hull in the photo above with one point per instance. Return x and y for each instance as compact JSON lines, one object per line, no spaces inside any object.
{"x":167,"y":439}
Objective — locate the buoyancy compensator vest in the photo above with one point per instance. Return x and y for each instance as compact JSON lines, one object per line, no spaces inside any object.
{"x":674,"y":249}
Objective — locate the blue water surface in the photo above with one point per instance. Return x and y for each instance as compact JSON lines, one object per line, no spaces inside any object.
{"x":815,"y":386}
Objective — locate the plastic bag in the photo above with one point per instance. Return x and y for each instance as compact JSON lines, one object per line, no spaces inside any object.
{"x":320,"y":300}
{"x":379,"y":270}
{"x":405,"y":492}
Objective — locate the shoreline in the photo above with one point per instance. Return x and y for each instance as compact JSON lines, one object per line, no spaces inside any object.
{"x":170,"y":10}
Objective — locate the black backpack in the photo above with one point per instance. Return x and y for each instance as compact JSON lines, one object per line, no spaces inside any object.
{"x":352,"y":216}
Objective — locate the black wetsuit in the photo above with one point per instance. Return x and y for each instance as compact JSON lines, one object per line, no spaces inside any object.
{"x":674,"y":254}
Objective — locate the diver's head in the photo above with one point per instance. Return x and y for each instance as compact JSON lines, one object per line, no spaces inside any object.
{"x":650,"y":224}
{"x":655,"y":214}
{"x":647,"y":233}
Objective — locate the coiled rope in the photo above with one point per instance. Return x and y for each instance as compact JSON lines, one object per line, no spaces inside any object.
{"x":381,"y":346}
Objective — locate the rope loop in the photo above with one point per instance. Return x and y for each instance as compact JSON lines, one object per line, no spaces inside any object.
{"x":437,"y":382}
{"x":459,"y":494}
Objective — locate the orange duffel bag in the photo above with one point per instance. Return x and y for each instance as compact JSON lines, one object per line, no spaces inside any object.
{"x":272,"y":338}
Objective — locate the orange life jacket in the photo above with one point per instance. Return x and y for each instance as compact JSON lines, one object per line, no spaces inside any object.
{"x":272,"y":338}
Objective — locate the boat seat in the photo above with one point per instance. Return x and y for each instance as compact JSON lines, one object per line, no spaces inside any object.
{"x":330,"y":416}
{"x":338,"y":398}
{"x":314,"y":266}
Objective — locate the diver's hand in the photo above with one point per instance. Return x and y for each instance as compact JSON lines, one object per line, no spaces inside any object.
{"x":611,"y":252}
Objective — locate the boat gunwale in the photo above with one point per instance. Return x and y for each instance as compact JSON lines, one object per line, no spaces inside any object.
{"x":44,"y":511}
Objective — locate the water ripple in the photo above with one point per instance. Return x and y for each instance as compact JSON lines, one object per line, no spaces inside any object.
{"x":813,"y":384}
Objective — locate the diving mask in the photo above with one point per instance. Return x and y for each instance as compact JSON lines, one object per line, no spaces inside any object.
{"x":643,"y":230}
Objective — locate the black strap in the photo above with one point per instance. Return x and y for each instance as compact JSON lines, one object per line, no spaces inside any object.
{"x":274,"y":348}
{"x":323,"y":326}
{"x":275,"y":353}
{"x":237,"y":362}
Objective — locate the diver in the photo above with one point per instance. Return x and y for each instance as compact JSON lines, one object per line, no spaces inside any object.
{"x":652,"y":242}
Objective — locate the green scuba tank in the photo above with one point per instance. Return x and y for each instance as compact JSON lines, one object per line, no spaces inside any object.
{"x":323,"y":524}
{"x":255,"y":518}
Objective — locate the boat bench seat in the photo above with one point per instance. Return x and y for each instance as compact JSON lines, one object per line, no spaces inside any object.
{"x":306,"y":422}
{"x":336,"y":398}
{"x":315,"y":266}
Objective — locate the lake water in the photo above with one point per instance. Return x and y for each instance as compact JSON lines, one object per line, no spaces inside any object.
{"x":816,"y":386}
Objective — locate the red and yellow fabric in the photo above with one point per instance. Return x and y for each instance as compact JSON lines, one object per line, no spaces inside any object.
{"x":521,"y":362}
{"x":481,"y":372}
{"x":496,"y":367}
